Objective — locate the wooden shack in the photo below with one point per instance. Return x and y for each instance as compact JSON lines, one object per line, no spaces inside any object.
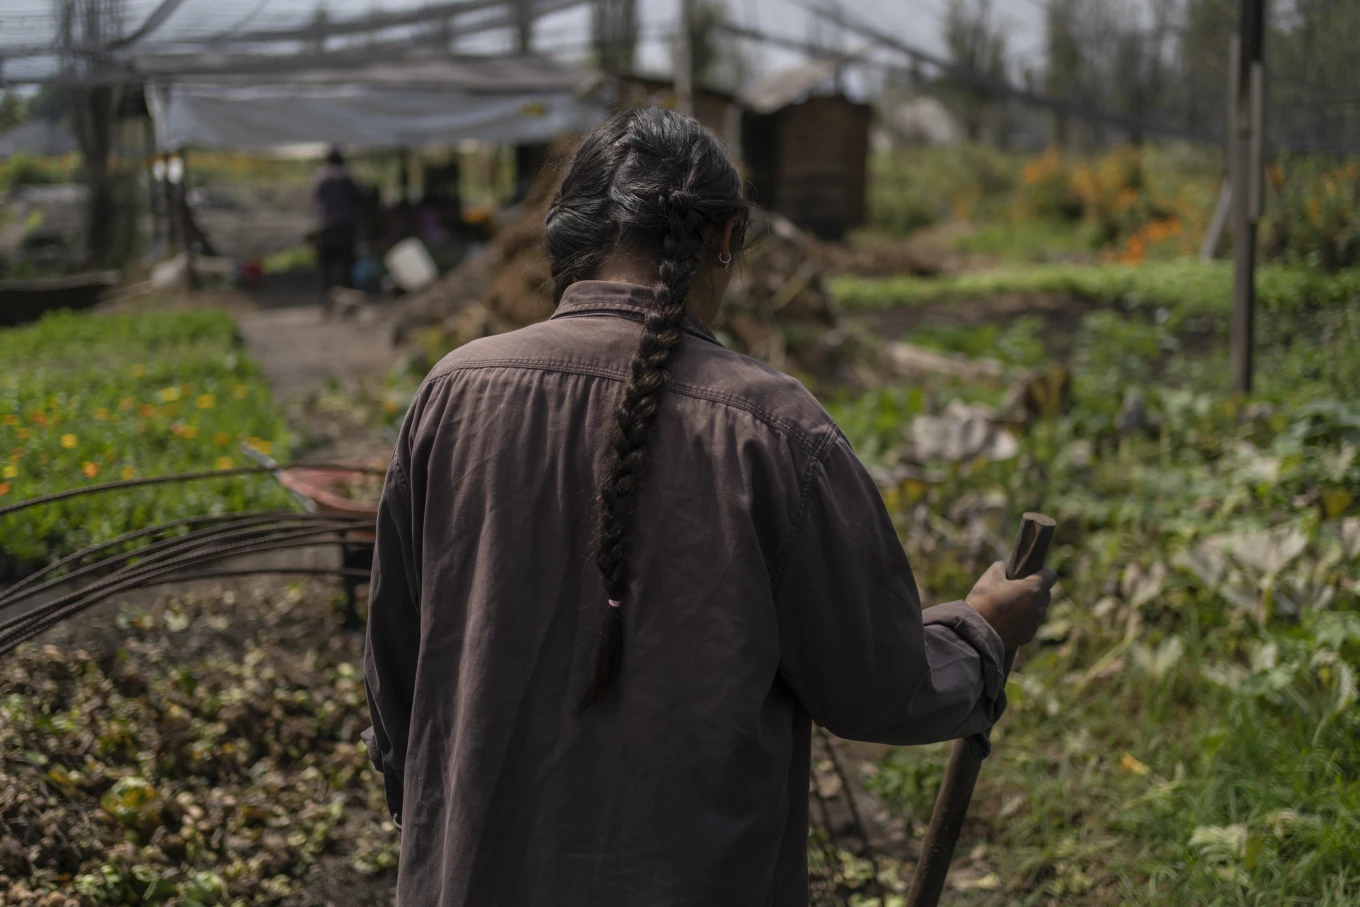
{"x":806,"y":155}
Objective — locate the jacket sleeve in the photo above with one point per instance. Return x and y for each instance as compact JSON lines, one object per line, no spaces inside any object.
{"x":393,"y":637}
{"x":856,"y":648}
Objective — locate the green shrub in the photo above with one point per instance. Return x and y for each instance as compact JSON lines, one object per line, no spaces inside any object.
{"x":25,"y":169}
{"x":1187,"y":286}
{"x":917,"y":187}
{"x":1313,"y":217}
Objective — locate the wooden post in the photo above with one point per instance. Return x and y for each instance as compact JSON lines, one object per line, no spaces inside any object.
{"x":524,"y":25}
{"x":187,"y":231}
{"x":1246,"y":132}
{"x":684,"y":59}
{"x":1218,"y":223}
{"x":152,"y":189}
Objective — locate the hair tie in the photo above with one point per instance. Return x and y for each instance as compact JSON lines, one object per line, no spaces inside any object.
{"x":614,"y":604}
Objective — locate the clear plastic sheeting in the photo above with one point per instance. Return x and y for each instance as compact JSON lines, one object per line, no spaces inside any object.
{"x":262,"y":117}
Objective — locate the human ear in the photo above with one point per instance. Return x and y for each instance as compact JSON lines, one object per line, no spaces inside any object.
{"x":725,"y":236}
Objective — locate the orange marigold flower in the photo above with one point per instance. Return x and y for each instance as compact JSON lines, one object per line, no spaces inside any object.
{"x":11,"y":419}
{"x":126,"y":404}
{"x":38,"y":417}
{"x":90,"y":470}
{"x":146,"y":411}
{"x":4,"y":488}
{"x":24,"y":434}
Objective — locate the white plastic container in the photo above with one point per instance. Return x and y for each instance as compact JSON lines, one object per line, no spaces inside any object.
{"x":410,"y":265}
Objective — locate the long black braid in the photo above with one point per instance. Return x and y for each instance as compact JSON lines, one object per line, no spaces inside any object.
{"x":655,"y":183}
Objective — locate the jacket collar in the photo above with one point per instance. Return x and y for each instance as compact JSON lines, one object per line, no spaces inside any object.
{"x":625,"y":300}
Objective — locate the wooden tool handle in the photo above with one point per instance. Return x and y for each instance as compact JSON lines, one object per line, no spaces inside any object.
{"x":1031,"y":546}
{"x":956,"y":790}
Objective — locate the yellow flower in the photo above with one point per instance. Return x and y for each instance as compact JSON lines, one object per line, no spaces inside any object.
{"x":11,"y":471}
{"x":11,"y":419}
{"x":239,"y":392}
{"x":128,"y":472}
{"x":190,"y":432}
{"x":224,"y":463}
{"x":206,"y":401}
{"x":25,"y":434}
{"x":1130,"y":764}
{"x":90,"y":470}
{"x":263,"y":446}
{"x":221,"y":439}
{"x":168,"y":394}
{"x":68,"y":441}
{"x":138,"y":371}
{"x":101,"y":414}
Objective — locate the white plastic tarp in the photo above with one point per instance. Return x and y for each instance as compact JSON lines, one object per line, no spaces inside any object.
{"x":260,"y":117}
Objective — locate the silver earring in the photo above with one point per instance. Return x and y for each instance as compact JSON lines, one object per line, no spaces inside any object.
{"x":725,"y":259}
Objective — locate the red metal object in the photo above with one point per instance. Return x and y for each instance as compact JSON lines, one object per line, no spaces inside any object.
{"x":318,"y":486}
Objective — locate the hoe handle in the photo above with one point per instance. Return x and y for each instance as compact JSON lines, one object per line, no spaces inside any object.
{"x":956,"y":791}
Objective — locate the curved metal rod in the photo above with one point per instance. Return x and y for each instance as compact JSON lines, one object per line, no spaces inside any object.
{"x":350,"y":572}
{"x":180,"y":477}
{"x":17,"y":635}
{"x":132,"y":572}
{"x":33,"y":578}
{"x":182,"y":543}
{"x":128,"y":577}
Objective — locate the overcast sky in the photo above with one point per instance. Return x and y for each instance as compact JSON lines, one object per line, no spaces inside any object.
{"x":919,"y":22}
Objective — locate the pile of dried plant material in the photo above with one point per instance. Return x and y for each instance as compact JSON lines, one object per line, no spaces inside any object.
{"x":203,"y":750}
{"x":924,"y":255}
{"x":777,"y":308}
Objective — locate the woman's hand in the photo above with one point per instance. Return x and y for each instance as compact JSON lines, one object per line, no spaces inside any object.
{"x":1014,"y":608}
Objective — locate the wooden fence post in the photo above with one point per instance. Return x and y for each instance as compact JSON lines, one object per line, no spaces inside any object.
{"x":1245,"y":137}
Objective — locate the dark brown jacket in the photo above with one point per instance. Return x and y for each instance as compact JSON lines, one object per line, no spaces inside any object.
{"x":769,"y":586}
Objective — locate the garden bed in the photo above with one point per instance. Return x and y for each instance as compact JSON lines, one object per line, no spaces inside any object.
{"x":86,"y":399}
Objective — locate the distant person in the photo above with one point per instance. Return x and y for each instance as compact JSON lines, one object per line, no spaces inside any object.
{"x":340,"y":204}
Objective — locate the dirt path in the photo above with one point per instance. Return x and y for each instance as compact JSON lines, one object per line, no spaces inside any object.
{"x":300,"y":349}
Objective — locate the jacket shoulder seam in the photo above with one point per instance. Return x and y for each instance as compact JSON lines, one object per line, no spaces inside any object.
{"x":783,"y":427}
